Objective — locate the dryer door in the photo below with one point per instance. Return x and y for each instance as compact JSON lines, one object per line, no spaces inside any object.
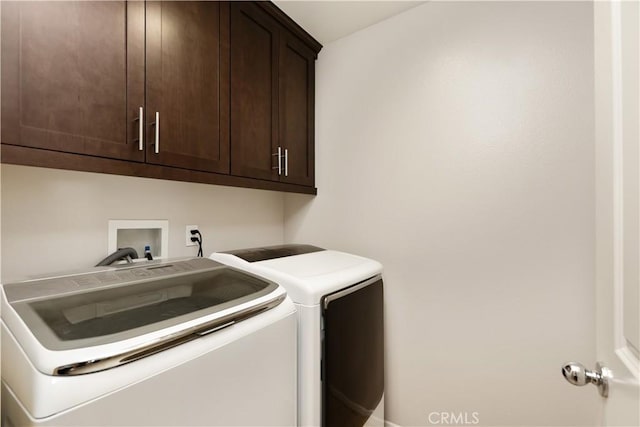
{"x":352,"y":354}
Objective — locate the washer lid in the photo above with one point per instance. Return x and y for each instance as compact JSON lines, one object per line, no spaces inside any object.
{"x":96,"y":308}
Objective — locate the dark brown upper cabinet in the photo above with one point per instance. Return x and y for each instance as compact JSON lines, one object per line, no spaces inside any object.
{"x":201,"y":91}
{"x":75,"y":80}
{"x":187,"y":84}
{"x":296,"y":109}
{"x":73,"y":76}
{"x":254,"y":91}
{"x":272,"y":97}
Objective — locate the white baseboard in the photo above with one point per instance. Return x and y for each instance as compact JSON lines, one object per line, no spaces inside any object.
{"x":390,"y":424}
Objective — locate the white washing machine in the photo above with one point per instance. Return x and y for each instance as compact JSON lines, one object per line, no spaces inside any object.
{"x":339,"y":299}
{"x":182,"y":342}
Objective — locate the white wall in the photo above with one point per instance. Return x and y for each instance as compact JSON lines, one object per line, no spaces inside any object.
{"x":55,"y":220}
{"x":455,"y":144}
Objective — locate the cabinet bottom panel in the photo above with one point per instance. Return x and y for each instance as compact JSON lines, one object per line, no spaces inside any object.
{"x":18,"y":155}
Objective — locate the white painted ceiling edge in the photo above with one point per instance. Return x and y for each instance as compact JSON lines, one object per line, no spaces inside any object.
{"x":330,"y":20}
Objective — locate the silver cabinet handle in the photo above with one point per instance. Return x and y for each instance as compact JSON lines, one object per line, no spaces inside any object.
{"x":157,"y":126}
{"x":578,"y":375}
{"x":286,"y":162}
{"x":140,"y":120}
{"x":279,"y":167}
{"x":141,"y":129}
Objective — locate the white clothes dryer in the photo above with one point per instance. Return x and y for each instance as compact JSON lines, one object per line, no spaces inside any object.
{"x":339,"y":300}
{"x":177,"y":342}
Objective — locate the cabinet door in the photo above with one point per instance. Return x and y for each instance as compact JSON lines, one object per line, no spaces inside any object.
{"x":297,"y":68}
{"x":254,"y":92}
{"x":187,"y":84}
{"x":73,"y":76}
